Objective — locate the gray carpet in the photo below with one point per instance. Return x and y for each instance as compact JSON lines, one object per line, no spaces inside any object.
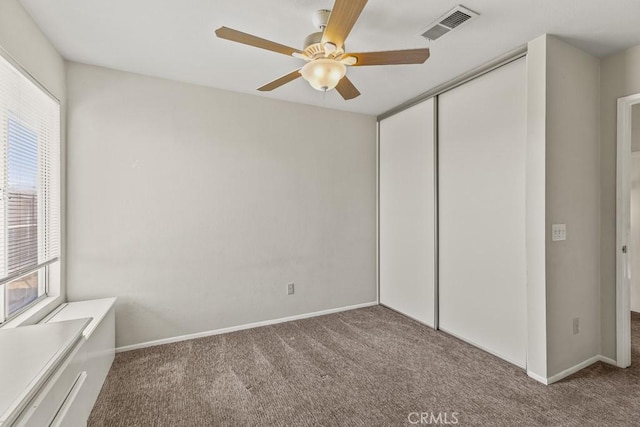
{"x":367,"y":367}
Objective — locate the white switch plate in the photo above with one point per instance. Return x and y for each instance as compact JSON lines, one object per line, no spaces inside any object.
{"x":558,"y":232}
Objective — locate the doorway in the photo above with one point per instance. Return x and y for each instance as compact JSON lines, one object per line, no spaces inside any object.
{"x":634,"y":261}
{"x":628,"y":229}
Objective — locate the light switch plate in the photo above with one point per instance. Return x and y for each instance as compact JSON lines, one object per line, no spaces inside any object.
{"x":558,"y":232}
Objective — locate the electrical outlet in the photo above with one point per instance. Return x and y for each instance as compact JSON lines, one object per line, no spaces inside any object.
{"x":576,"y":325}
{"x":291,"y":289}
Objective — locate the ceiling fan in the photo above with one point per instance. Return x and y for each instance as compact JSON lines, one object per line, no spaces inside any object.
{"x":324,"y":51}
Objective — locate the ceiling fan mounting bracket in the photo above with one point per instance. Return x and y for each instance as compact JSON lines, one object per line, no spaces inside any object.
{"x":312,"y":40}
{"x":320,"y":18}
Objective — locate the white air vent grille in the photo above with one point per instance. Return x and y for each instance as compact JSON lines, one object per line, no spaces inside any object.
{"x":435,"y":32}
{"x":454,"y":18}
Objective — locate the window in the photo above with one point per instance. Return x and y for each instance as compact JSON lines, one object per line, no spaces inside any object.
{"x":29,"y":190}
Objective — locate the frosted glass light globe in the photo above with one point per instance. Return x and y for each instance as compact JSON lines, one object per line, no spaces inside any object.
{"x":324,"y":73}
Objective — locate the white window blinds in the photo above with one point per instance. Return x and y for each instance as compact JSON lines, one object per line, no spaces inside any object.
{"x":29,"y":174}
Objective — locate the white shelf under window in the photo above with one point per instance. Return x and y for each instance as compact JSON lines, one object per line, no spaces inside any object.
{"x":55,"y":369}
{"x":96,"y":309}
{"x":33,"y":353}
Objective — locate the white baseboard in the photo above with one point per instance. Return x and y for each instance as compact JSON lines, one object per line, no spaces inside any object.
{"x":572,"y":370}
{"x":242,"y":327}
{"x":608,"y":361}
{"x":538,"y":378}
{"x":409,"y":317}
{"x":485,"y":349}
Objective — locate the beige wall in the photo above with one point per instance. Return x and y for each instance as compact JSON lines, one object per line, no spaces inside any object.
{"x":23,"y":41}
{"x":572,"y":198}
{"x":196,"y":206}
{"x":563,"y":158}
{"x":635,"y":128}
{"x":620,"y":76}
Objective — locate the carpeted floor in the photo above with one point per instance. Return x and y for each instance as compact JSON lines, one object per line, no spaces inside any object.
{"x":367,"y":367}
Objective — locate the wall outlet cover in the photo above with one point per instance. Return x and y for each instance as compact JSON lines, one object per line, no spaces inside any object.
{"x":558,"y":232}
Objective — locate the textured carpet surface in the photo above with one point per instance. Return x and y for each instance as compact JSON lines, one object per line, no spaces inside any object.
{"x":367,"y":367}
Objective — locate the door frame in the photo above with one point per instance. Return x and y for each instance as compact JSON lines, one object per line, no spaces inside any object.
{"x":623,"y":230}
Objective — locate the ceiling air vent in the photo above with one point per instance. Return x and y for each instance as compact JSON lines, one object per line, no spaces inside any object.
{"x":449,"y":21}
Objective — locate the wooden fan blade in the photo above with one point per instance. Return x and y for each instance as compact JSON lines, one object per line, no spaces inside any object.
{"x":346,"y":89}
{"x":343,"y":16}
{"x":391,"y":57}
{"x":248,"y":39}
{"x":280,"y":81}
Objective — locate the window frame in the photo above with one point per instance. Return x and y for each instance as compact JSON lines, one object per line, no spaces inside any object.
{"x":51,"y":276}
{"x":43,"y":275}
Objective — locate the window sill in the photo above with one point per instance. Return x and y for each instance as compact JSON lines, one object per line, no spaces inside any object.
{"x":34,"y":314}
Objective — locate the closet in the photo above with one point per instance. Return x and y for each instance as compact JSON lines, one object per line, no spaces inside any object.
{"x":464,"y":269}
{"x":407,"y":212}
{"x":482,"y":143}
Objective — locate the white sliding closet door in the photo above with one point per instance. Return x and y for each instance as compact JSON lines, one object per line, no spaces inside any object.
{"x":482,"y":276}
{"x":407,"y":212}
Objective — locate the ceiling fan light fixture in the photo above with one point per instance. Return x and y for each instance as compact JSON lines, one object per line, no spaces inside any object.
{"x":323,"y":74}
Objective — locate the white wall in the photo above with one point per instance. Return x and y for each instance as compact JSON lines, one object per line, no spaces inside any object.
{"x":571,"y":177}
{"x":620,"y":76}
{"x":482,"y":133}
{"x":407,"y":212}
{"x":21,"y":38}
{"x":196,"y":206}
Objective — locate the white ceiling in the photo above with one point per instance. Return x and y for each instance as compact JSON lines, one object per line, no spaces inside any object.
{"x":174,"y":39}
